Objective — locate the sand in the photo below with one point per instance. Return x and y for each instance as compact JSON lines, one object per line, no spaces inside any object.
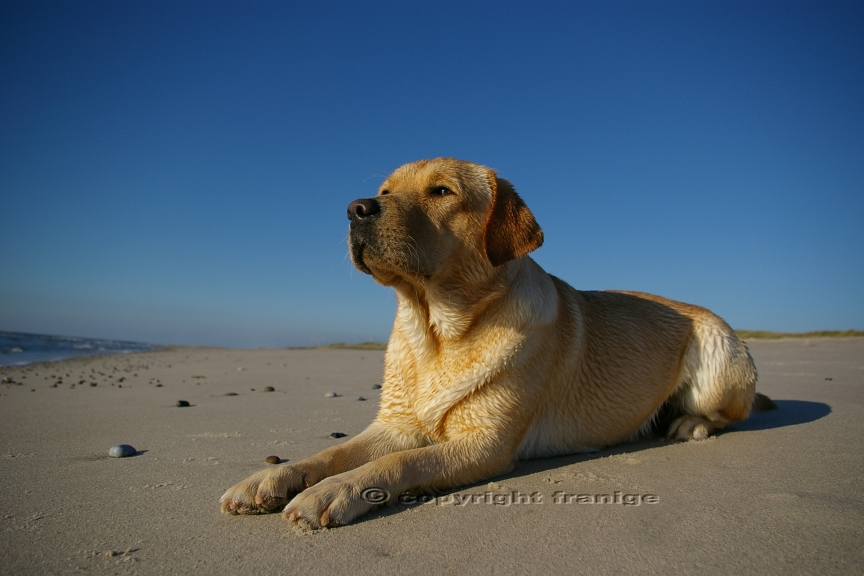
{"x":778,"y":494}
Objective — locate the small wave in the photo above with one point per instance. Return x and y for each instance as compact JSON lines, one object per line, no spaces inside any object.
{"x":19,"y":348}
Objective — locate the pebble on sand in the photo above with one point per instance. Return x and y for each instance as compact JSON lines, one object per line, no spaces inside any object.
{"x":376,"y":387}
{"x":269,"y":389}
{"x":229,"y":394}
{"x":361,"y":399}
{"x":273,"y":460}
{"x":338,"y":435}
{"x":331,"y":395}
{"x":121,"y":451}
{"x":182,"y":404}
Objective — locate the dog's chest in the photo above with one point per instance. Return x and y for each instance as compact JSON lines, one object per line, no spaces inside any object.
{"x":437,"y":383}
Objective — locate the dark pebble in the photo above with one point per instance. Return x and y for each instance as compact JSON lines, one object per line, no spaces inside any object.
{"x":158,"y":385}
{"x":376,"y":387}
{"x":53,"y":385}
{"x":182,"y":404}
{"x":92,"y":383}
{"x":338,"y":435}
{"x":269,"y":389}
{"x":121,"y":451}
{"x":229,"y":394}
{"x":273,"y":460}
{"x":361,"y":399}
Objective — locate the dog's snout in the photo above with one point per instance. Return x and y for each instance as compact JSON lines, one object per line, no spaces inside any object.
{"x":363,"y":208}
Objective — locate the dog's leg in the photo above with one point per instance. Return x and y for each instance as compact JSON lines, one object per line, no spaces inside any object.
{"x":270,"y":489}
{"x":339,"y":499}
{"x":719,"y":383}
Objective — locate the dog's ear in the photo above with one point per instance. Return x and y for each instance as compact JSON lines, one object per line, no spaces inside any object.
{"x":511,"y":230}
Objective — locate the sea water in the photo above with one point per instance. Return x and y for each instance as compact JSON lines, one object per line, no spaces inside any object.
{"x":18,"y":348}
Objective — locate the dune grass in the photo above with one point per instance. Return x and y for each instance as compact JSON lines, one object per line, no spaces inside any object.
{"x":765,"y":335}
{"x":360,"y":346}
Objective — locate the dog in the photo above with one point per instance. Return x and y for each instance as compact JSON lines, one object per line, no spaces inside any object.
{"x":492,"y":360}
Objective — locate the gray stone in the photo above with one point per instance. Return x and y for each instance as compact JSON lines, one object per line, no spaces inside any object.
{"x":121,"y":451}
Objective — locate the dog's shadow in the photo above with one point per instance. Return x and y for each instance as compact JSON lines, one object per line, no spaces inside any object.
{"x":788,"y":413}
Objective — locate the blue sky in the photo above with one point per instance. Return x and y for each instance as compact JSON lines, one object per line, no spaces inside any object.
{"x":178,"y":172}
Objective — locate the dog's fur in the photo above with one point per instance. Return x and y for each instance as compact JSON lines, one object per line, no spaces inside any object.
{"x":492,"y":360}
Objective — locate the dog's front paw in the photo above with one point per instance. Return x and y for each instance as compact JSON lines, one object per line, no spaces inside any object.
{"x":263,"y":492}
{"x":334,"y":501}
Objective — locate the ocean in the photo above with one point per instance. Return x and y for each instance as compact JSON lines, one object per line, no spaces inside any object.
{"x":17,"y":349}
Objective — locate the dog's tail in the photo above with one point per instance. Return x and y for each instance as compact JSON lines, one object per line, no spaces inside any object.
{"x":762,"y":403}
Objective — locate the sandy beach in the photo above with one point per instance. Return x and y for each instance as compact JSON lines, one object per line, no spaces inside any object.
{"x":781,"y":493}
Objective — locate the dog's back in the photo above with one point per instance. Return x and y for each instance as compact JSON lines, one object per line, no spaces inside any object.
{"x":637,"y":355}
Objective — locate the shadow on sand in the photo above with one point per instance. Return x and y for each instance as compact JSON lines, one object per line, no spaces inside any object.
{"x":788,"y":413}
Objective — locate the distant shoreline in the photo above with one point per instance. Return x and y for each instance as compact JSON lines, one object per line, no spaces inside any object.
{"x":21,"y":348}
{"x":21,"y":358}
{"x":743,"y":334}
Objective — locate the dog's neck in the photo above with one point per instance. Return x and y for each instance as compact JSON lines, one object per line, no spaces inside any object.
{"x":445,"y":311}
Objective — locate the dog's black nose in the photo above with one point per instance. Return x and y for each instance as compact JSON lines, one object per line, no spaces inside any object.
{"x":363,"y":208}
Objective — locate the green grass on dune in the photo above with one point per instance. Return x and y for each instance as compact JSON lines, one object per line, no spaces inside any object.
{"x":361,"y":346}
{"x":765,"y":335}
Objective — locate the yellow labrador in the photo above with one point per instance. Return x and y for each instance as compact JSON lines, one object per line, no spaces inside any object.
{"x":492,"y":360}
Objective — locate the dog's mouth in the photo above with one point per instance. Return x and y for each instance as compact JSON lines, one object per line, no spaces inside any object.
{"x":357,"y":249}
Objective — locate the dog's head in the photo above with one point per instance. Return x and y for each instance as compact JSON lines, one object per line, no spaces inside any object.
{"x":434,"y":219}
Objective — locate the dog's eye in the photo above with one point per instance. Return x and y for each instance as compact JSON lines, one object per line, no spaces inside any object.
{"x":440,"y":191}
{"x":384,"y":192}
